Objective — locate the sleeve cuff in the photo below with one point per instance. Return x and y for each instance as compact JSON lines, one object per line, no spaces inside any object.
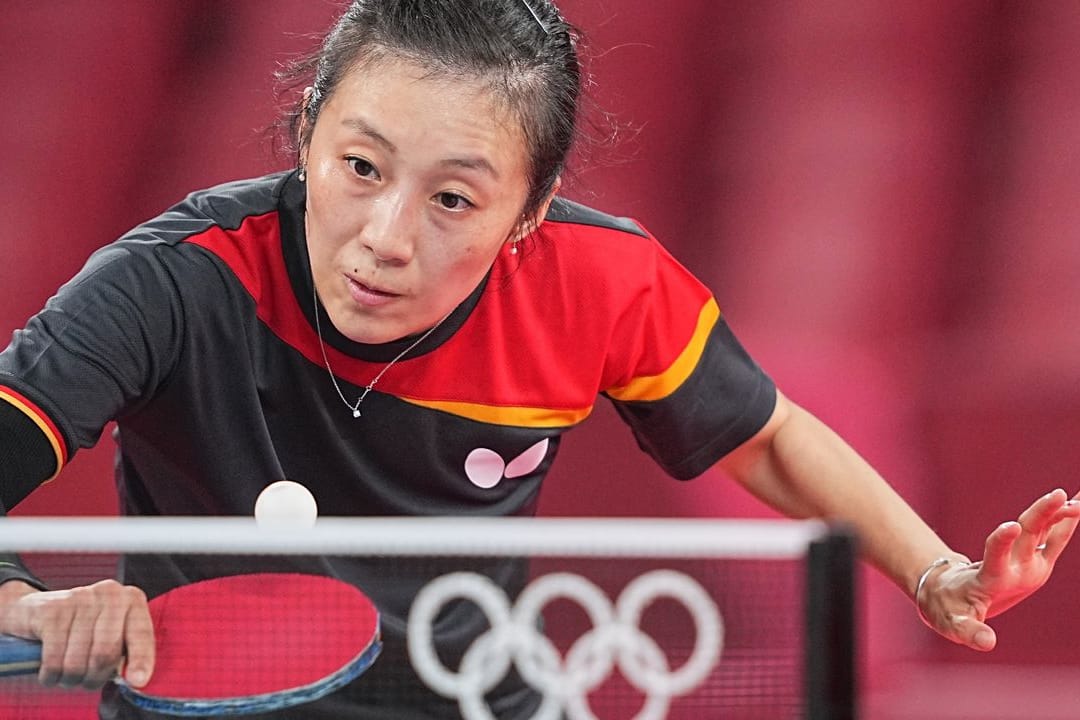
{"x":12,"y":569}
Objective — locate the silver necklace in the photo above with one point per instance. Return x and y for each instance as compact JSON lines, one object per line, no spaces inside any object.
{"x":326,"y":360}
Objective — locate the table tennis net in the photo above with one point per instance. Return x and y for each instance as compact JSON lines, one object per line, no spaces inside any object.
{"x":506,"y":618}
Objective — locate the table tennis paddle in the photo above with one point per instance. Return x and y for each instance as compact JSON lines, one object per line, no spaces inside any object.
{"x":244,"y":644}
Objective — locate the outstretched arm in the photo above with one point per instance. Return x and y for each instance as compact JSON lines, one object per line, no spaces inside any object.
{"x":799,"y":466}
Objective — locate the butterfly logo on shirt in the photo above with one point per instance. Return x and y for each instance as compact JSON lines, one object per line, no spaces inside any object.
{"x":486,"y":468}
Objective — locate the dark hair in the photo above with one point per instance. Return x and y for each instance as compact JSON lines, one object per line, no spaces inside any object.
{"x":523,"y":48}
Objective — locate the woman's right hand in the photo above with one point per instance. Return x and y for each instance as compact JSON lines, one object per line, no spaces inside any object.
{"x":86,"y":633}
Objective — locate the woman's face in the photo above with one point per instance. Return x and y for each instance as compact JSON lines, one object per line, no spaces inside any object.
{"x":415,"y":183}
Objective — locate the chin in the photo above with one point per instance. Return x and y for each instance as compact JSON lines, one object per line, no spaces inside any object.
{"x":372,"y":327}
{"x":360,"y":324}
{"x":368,"y":337}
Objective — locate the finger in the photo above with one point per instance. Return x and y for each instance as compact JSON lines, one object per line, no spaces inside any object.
{"x":80,"y":637}
{"x":1061,"y":522}
{"x":106,"y":646}
{"x":139,"y":641}
{"x":1059,"y":537}
{"x":1036,"y":521}
{"x":1069,"y":510}
{"x":54,"y":638}
{"x":974,"y":634}
{"x":998,"y":548}
{"x":1042,"y":509}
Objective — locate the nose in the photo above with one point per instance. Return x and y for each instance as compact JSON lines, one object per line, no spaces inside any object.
{"x":390,"y":231}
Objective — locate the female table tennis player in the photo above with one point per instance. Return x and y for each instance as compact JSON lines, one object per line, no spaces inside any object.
{"x":406,"y":322}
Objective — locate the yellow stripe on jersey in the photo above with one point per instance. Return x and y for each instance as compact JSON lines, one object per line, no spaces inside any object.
{"x":507,"y":415}
{"x":657,"y":387}
{"x":43,"y":424}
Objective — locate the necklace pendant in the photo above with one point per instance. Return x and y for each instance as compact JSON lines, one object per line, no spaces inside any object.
{"x":356,"y":412}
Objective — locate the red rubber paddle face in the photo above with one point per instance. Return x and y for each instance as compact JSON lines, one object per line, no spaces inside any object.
{"x":260,"y":634}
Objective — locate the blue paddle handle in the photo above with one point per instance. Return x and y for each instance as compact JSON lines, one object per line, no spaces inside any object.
{"x":19,"y":656}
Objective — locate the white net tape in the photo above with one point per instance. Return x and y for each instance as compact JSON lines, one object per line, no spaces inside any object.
{"x":458,"y":536}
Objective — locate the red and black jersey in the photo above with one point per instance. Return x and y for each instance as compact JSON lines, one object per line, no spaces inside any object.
{"x":196,"y":333}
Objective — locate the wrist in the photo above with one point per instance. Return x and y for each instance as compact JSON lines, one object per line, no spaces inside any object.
{"x":12,"y":590}
{"x":935,"y":567}
{"x":10,"y":593}
{"x":912,"y":573}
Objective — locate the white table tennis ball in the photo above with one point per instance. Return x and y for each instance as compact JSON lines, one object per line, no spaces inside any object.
{"x":285,"y":504}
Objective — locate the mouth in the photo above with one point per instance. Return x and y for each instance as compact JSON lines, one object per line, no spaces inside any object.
{"x":367,"y":295}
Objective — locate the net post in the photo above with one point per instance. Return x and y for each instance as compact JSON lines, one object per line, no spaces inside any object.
{"x":830,"y":627}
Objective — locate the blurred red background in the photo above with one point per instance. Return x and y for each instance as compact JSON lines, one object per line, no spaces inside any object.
{"x":878,"y":193}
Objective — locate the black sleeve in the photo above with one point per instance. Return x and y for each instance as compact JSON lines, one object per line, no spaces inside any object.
{"x":11,"y":568}
{"x":722,"y":404}
{"x":100,"y":348}
{"x":26,"y":457}
{"x":689,"y":391}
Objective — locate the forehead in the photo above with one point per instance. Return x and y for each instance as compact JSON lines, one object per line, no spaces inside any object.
{"x":417,"y":108}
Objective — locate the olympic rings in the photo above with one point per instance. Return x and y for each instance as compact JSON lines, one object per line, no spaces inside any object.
{"x":616,"y":638}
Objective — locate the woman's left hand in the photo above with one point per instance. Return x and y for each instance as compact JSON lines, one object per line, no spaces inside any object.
{"x":1018,"y":559}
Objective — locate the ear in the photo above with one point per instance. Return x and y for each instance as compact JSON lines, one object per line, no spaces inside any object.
{"x":302,"y":127}
{"x":546,"y":205}
{"x":532,"y":222}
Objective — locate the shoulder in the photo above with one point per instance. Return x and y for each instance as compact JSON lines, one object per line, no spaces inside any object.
{"x":230,"y":204}
{"x":174,"y":256}
{"x":226,"y":207}
{"x":223,"y":209}
{"x":585,"y":242}
{"x":234,"y":223}
{"x":568,"y":212}
{"x":588,"y":269}
{"x":591,"y":246}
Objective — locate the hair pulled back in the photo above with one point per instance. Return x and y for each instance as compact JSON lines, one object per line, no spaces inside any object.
{"x":523,"y":49}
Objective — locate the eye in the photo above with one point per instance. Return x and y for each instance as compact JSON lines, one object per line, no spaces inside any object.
{"x":362,"y":168}
{"x":453,"y":201}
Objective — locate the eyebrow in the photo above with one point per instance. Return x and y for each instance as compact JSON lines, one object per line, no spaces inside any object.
{"x":472,"y":163}
{"x":361,"y":127}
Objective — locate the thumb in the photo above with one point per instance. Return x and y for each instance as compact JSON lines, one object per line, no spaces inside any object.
{"x":974,"y":634}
